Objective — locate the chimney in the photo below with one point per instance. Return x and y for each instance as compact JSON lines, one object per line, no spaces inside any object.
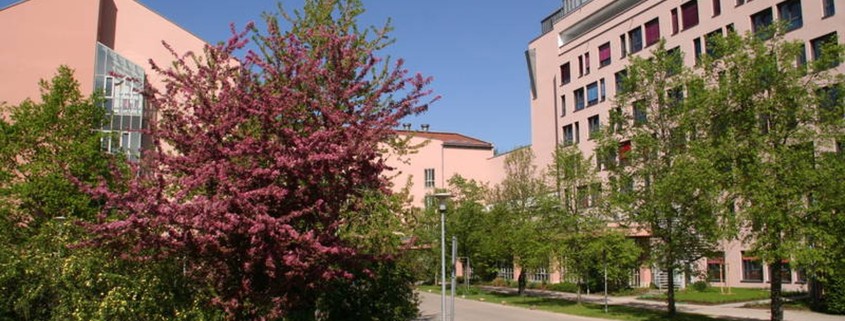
{"x":424,"y":127}
{"x":406,"y":126}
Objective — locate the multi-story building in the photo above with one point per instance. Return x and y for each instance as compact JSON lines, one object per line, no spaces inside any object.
{"x":108,"y":43}
{"x":435,"y":157}
{"x":576,"y":65}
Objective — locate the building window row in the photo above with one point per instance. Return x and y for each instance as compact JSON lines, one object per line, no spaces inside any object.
{"x":590,"y":95}
{"x":752,"y":270}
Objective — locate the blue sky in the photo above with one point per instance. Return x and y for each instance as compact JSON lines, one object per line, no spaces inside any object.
{"x":474,"y":49}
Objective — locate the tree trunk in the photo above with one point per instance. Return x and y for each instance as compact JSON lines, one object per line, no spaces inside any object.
{"x":776,"y":295}
{"x":670,"y":296}
{"x":521,"y":282}
{"x":579,"y":289}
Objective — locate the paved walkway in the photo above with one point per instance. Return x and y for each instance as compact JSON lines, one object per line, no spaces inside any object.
{"x":728,"y":311}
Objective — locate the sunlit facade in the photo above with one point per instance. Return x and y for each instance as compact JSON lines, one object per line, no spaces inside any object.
{"x":579,"y":59}
{"x":108,"y":43}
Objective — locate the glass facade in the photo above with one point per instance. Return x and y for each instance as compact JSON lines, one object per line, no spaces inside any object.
{"x":120,"y":81}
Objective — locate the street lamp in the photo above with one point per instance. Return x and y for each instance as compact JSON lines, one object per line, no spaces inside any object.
{"x":441,"y":200}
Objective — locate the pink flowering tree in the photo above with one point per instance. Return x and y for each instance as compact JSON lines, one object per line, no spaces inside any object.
{"x":259,"y":153}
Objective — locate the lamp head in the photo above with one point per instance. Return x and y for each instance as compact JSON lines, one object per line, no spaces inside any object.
{"x":442,"y":198}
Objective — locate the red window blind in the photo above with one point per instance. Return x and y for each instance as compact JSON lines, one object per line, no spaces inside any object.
{"x":604,"y":52}
{"x":689,"y":12}
{"x":652,"y":32}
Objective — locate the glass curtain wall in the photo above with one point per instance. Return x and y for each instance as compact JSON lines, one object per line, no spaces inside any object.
{"x":120,"y":81}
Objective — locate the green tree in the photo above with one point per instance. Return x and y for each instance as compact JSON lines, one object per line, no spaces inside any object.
{"x":519,"y":203}
{"x":660,"y":175}
{"x":767,"y":118}
{"x":470,"y":222}
{"x":44,"y":277}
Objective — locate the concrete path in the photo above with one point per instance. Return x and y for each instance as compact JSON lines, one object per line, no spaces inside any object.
{"x":471,"y":310}
{"x":475,"y":310}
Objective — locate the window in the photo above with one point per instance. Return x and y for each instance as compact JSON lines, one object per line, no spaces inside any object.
{"x":568,"y":135}
{"x":563,"y":105}
{"x":604,"y":54}
{"x":592,"y":94}
{"x":640,"y":114}
{"x":676,"y":97}
{"x":829,"y":9}
{"x":580,"y":102}
{"x":802,"y":56}
{"x":696,"y":44}
{"x":620,"y":80}
{"x":577,"y":133}
{"x":675,"y":60}
{"x":652,"y":32}
{"x":752,"y":269}
{"x":716,"y":268}
{"x":674,"y":21}
{"x":429,"y":201}
{"x":602,"y":90}
{"x":831,"y":102}
{"x":595,"y":194}
{"x":819,"y":50}
{"x":580,"y":66}
{"x":583,"y":196}
{"x":594,"y":126}
{"x":689,"y":13}
{"x":636,"y":36}
{"x":429,"y":177}
{"x":800,"y":276}
{"x":730,"y":28}
{"x":616,"y":120}
{"x":587,"y":63}
{"x":761,"y":22}
{"x":740,"y":2}
{"x":624,"y":150}
{"x":623,"y":48}
{"x":565,"y":73}
{"x":790,"y":12}
{"x":108,"y":89}
{"x":710,"y":42}
{"x":717,"y":7}
{"x":785,"y":272}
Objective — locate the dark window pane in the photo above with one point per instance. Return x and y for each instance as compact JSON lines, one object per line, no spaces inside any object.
{"x":636,"y":36}
{"x":790,"y":12}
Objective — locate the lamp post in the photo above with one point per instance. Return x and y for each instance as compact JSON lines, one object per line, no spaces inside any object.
{"x":441,"y":199}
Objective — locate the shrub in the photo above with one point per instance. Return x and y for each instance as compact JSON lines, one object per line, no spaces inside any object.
{"x":564,"y":287}
{"x":700,"y":286}
{"x":499,"y":282}
{"x":834,"y":297}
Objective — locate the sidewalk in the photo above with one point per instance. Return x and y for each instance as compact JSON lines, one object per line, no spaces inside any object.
{"x":728,"y":311}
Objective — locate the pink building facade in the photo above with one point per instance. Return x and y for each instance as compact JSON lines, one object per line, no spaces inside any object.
{"x":437,"y":157}
{"x":108,"y":43}
{"x":577,"y":61}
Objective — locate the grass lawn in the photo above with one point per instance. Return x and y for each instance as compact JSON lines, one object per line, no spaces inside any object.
{"x":714,"y":296}
{"x":570,"y":307}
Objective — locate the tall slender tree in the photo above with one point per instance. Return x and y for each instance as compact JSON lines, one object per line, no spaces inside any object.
{"x":519,"y":204}
{"x":660,"y":176}
{"x":766,"y":125}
